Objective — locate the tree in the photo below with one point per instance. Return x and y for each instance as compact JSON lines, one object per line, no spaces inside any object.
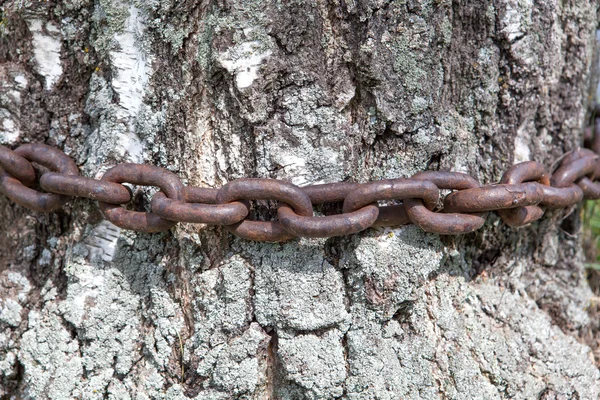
{"x":308,"y":92}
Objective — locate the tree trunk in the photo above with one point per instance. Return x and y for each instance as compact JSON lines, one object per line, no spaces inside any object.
{"x":309,"y":92}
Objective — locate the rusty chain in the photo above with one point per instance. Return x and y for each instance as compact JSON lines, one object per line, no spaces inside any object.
{"x":525,"y":190}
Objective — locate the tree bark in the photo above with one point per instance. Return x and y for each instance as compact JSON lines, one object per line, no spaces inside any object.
{"x":309,"y":92}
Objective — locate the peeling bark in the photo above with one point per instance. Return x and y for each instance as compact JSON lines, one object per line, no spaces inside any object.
{"x":309,"y":92}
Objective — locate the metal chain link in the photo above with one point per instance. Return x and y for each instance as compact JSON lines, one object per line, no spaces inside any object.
{"x":520,"y":198}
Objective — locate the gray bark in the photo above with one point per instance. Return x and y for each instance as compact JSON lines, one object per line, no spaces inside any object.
{"x":309,"y":92}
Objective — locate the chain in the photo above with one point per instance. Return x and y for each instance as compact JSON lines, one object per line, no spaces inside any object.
{"x":521,"y":197}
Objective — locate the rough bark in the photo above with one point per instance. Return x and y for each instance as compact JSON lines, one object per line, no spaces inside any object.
{"x":310,"y":92}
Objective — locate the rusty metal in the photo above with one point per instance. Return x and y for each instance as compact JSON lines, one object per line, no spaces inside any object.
{"x":27,"y":197}
{"x":46,"y":156}
{"x":520,"y":198}
{"x":331,"y":225}
{"x":594,"y":144}
{"x":200,"y":206}
{"x":391,"y":189}
{"x":572,"y":170}
{"x":329,"y":192}
{"x":494,"y":197}
{"x":49,"y":157}
{"x":519,"y":173}
{"x":17,"y":166}
{"x":89,"y":188}
{"x":146,"y":175}
{"x":591,"y":190}
{"x":264,"y":189}
{"x":561,"y":197}
{"x":579,"y":153}
{"x":260,"y":231}
{"x":444,"y":223}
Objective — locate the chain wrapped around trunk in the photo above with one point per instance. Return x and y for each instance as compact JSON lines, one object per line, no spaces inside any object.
{"x":522,"y":195}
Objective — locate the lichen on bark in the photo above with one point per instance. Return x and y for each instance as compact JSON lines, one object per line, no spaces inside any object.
{"x":309,"y":92}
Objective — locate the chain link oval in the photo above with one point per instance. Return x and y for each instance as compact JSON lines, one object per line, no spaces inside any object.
{"x":330,"y":225}
{"x":49,"y":157}
{"x":581,"y":167}
{"x":337,"y":192}
{"x":145,"y":175}
{"x":327,"y":226}
{"x":571,"y":170}
{"x":581,"y":153}
{"x":444,"y":223}
{"x":200,"y":206}
{"x":591,"y":188}
{"x":264,"y":189}
{"x":391,"y":189}
{"x":16,"y":165}
{"x":519,"y":173}
{"x":494,"y":197}
{"x":329,"y":192}
{"x":89,"y":188}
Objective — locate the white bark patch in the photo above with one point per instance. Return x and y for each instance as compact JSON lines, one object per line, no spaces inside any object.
{"x":21,"y":281}
{"x":90,"y":288}
{"x":316,"y":363}
{"x":243,"y":61}
{"x":235,"y":155}
{"x":132,"y":144}
{"x":16,"y":95}
{"x":294,"y":164}
{"x":522,"y":152}
{"x":103,"y":241}
{"x":22,"y":81}
{"x":131,"y":65}
{"x":202,"y":142}
{"x":9,"y":131}
{"x":517,"y":19}
{"x":10,"y":312}
{"x":11,"y":306}
{"x":132,"y":70}
{"x":46,"y":50}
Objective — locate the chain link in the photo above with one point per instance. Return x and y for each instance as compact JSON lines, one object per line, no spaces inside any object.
{"x":520,"y":198}
{"x":46,"y":156}
{"x":146,"y":175}
{"x":444,"y":223}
